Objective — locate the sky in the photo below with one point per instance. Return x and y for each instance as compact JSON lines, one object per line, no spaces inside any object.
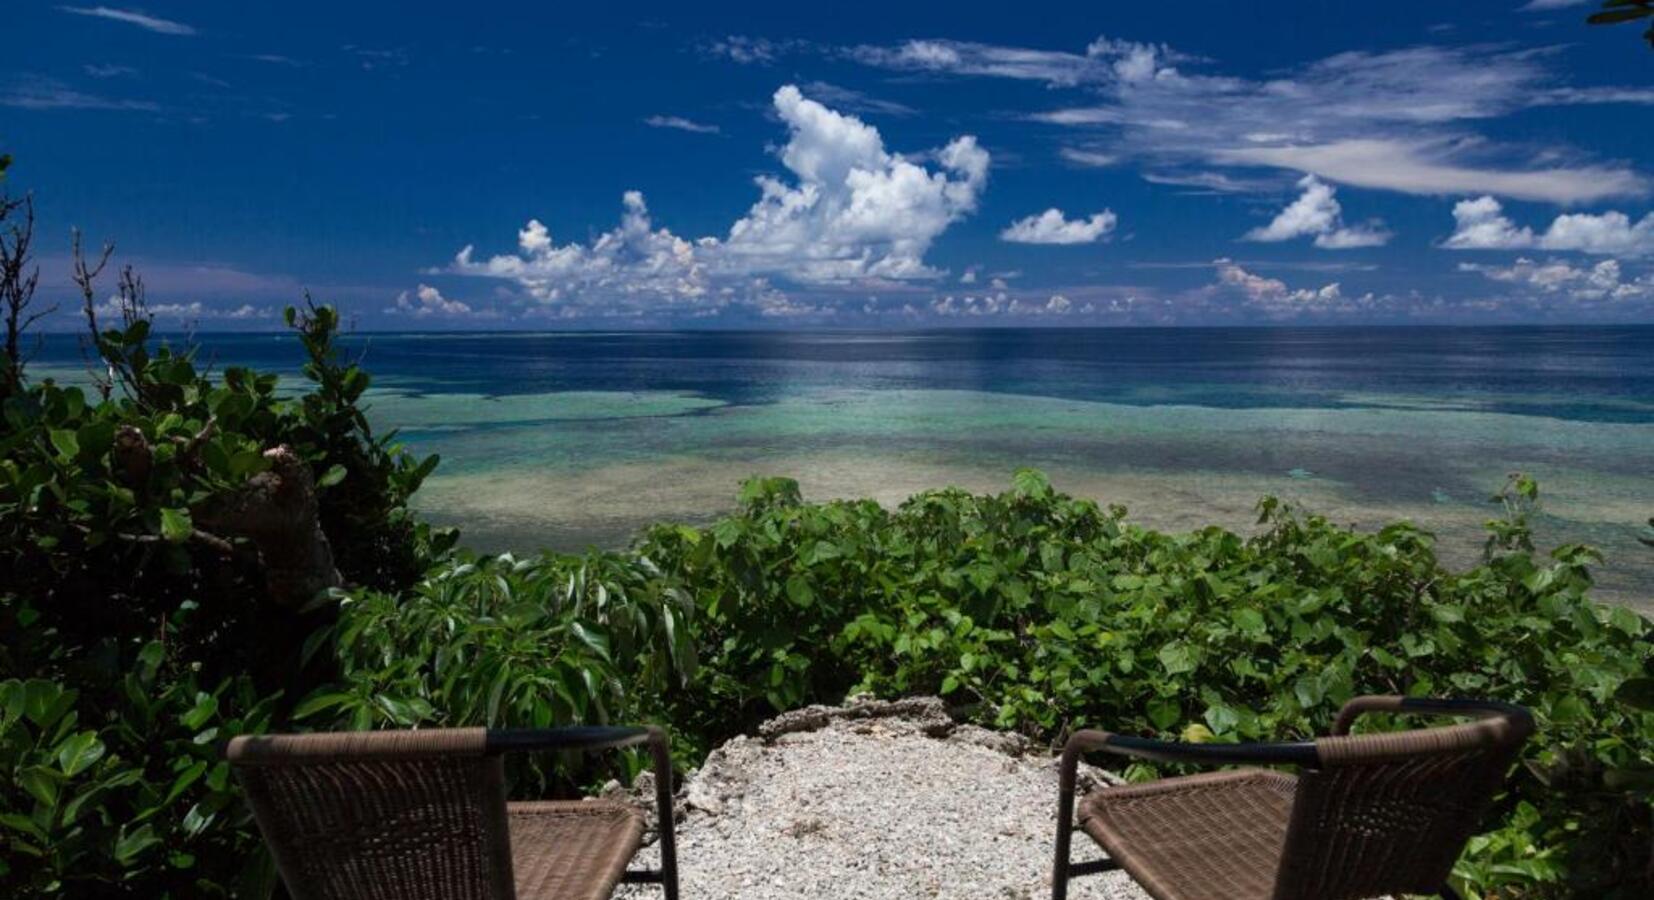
{"x":877,"y":166}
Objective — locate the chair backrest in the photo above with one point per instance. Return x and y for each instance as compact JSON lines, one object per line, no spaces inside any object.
{"x":411,"y":815}
{"x":1390,"y":813}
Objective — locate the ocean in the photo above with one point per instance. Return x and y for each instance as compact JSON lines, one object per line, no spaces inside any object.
{"x":570,"y":440}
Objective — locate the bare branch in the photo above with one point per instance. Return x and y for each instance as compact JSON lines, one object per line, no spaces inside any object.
{"x":18,"y":280}
{"x":86,"y":277}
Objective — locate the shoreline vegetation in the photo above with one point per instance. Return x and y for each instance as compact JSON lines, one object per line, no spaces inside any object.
{"x":193,"y":554}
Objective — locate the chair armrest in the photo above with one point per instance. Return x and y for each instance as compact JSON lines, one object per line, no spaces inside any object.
{"x":575,"y":737}
{"x":1430,"y":706}
{"x":1298,"y":753}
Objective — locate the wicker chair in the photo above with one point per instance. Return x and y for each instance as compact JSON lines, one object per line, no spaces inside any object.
{"x":421,"y":815}
{"x":1365,"y":816}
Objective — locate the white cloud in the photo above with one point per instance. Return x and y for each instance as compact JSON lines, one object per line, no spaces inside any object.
{"x":1104,"y":62}
{"x":1051,"y":227}
{"x":854,"y":101}
{"x":1428,"y":167}
{"x":1392,"y":120}
{"x":1273,"y":295}
{"x":751,"y":50}
{"x":146,"y":22}
{"x":852,"y":212}
{"x":633,"y":260}
{"x":1211,"y":182}
{"x":1093,"y":158}
{"x":181,"y":313}
{"x":1603,"y":281}
{"x":681,"y":124}
{"x":1002,"y":304}
{"x":427,"y":301}
{"x":1317,"y":212}
{"x":1481,"y":224}
{"x":30,"y":92}
{"x":857,"y":211}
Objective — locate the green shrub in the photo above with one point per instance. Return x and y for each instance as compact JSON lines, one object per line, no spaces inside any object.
{"x":552,"y":640}
{"x":1042,"y":613}
{"x":135,"y":632}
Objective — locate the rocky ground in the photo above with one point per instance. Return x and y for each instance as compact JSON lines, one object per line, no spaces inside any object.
{"x":874,"y":800}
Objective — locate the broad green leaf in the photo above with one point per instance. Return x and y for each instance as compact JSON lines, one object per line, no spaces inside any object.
{"x":176,"y":525}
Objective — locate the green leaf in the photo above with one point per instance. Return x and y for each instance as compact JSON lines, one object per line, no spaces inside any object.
{"x":592,"y":638}
{"x":800,"y":592}
{"x":66,"y":442}
{"x":318,"y":702}
{"x":176,"y":525}
{"x":331,"y":477}
{"x":130,"y":844}
{"x":1178,"y":658}
{"x":1165,"y":713}
{"x":41,"y":783}
{"x":1031,"y":483}
{"x":206,"y":706}
{"x":79,"y":752}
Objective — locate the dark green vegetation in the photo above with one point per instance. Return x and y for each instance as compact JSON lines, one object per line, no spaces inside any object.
{"x":1043,"y":613}
{"x":160,"y":548}
{"x":167,"y":584}
{"x":146,"y":612}
{"x":1615,"y":12}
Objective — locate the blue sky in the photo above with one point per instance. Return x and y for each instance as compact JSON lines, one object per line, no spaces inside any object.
{"x":864,"y":165}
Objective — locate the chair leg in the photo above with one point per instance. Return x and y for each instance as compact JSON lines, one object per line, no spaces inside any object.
{"x":668,"y":829}
{"x":1065,"y":834}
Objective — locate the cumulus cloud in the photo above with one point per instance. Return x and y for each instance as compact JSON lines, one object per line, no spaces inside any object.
{"x":146,"y":22}
{"x":1394,"y":120}
{"x":856,"y":210}
{"x":1317,"y":212}
{"x":110,"y":310}
{"x":1273,"y":295}
{"x":632,"y":260}
{"x":427,"y":301}
{"x":1002,"y":304}
{"x":1481,"y":224}
{"x":852,"y":212}
{"x":1052,"y":227}
{"x":681,"y":124}
{"x":1603,"y":281}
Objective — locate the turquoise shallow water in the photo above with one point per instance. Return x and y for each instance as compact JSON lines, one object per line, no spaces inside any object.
{"x":574,"y":439}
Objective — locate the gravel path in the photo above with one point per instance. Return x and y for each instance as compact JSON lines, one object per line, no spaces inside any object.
{"x":873,"y":801}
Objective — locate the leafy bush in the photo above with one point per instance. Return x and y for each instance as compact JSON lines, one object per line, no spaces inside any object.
{"x":552,"y":640}
{"x":1043,"y":613}
{"x":147,"y":612}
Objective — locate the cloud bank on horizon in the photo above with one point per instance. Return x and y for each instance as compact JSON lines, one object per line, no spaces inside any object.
{"x":902,"y":181}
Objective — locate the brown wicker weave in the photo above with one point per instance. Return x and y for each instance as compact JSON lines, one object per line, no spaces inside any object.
{"x":1366,"y":816}
{"x":422,"y":815}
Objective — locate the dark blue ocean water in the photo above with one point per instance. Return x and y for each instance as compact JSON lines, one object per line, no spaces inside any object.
{"x":1584,"y":373}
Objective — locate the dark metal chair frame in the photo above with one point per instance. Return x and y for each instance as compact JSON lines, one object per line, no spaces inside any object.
{"x":1308,"y":756}
{"x":255,"y":751}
